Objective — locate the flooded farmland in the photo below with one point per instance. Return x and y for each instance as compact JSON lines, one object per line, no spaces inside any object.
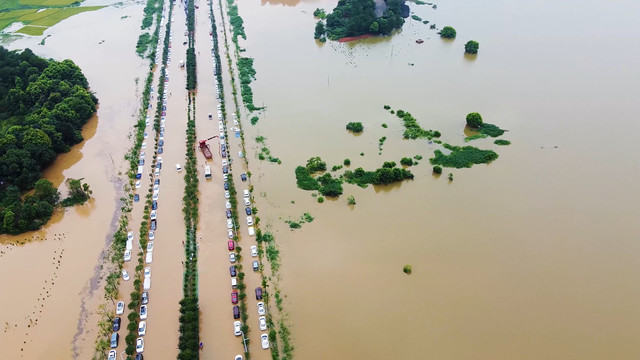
{"x":532,"y":256}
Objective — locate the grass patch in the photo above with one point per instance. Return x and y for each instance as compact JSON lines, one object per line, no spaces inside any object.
{"x":463,"y":157}
{"x":413,"y":130}
{"x":490,"y":130}
{"x":32,"y":30}
{"x":475,"y":137}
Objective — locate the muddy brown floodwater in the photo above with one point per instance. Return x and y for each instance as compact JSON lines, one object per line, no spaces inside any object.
{"x":48,"y":278}
{"x":533,"y":256}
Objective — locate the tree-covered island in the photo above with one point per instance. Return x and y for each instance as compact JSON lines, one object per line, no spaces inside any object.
{"x":352,"y":18}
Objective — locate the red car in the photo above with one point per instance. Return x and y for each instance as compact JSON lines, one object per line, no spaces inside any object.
{"x":234,"y":297}
{"x":231,"y":245}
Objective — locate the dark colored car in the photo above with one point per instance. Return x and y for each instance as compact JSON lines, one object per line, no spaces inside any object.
{"x":226,"y":186}
{"x":223,"y":147}
{"x":136,"y":197}
{"x":243,"y":177}
{"x":232,"y":270}
{"x":154,"y":224}
{"x":160,"y":151}
{"x":140,"y":162}
{"x":138,"y":176}
{"x":225,"y":169}
{"x":156,"y":182}
{"x":236,"y":312}
{"x":154,"y":205}
{"x":139,"y":357}
{"x":224,"y":154}
{"x":164,"y":108}
{"x":145,"y":298}
{"x":234,"y":297}
{"x":255,"y":265}
{"x":228,"y":214}
{"x":258,"y":293}
{"x":247,"y":210}
{"x":159,"y":165}
{"x":161,"y":143}
{"x":116,"y":324}
{"x":231,"y":245}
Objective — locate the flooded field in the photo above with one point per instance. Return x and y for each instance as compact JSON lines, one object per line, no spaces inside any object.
{"x":49,"y":277}
{"x":532,"y":256}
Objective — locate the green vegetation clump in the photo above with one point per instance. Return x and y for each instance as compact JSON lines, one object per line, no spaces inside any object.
{"x":406,"y":161}
{"x":319,"y":13}
{"x":247,"y":74}
{"x":236,"y":22}
{"x":355,"y":127}
{"x":336,"y":167}
{"x":382,"y":176}
{"x":450,"y":177}
{"x":463,"y":157}
{"x":357,"y":17}
{"x":79,"y":193}
{"x":416,"y":17}
{"x":254,"y":120}
{"x":294,"y":225}
{"x":418,"y":157}
{"x":346,"y":162}
{"x":330,"y":186}
{"x":304,"y":180}
{"x":351,"y":200}
{"x":43,"y":106}
{"x":320,"y":199}
{"x":407,"y":269}
{"x":191,"y":68}
{"x":471,"y":47}
{"x":387,"y":107}
{"x":475,"y":137}
{"x":320,"y":31}
{"x":474,"y":120}
{"x":437,"y":169}
{"x":448,"y":32}
{"x":502,"y":142}
{"x":385,"y":126}
{"x":413,"y":129}
{"x":490,"y":130}
{"x":315,"y":164}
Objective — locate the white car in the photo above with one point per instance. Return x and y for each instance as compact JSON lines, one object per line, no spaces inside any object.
{"x":150,"y":246}
{"x":127,"y":255}
{"x":247,"y":202}
{"x":229,"y":223}
{"x":152,"y":234}
{"x":232,"y":257}
{"x":155,"y":195}
{"x":227,"y":205}
{"x":154,"y":214}
{"x":263,"y":323}
{"x":261,"y":309}
{"x":224,"y":162}
{"x":159,"y":159}
{"x":245,"y":193}
{"x":144,"y":145}
{"x":156,"y":188}
{"x":178,"y":168}
{"x":237,"y":328}
{"x":230,"y":234}
{"x":227,"y":194}
{"x":240,"y":154}
{"x":254,"y":251}
{"x":143,"y":312}
{"x":264,"y":339}
{"x":238,"y":357}
{"x":142,"y":153}
{"x":147,"y":272}
{"x":120,"y":308}
{"x":142,"y":328}
{"x":125,"y":275}
{"x":156,"y":172}
{"x":138,"y":184}
{"x":112,"y":355}
{"x":249,"y":220}
{"x":149,"y":257}
{"x":140,"y":345}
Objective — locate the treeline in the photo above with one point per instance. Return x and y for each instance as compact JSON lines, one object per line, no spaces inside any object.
{"x":192,"y":81}
{"x":43,"y":106}
{"x":152,"y":9}
{"x":357,"y":17}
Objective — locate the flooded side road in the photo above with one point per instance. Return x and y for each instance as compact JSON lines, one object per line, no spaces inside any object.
{"x":48,"y":277}
{"x":533,"y":256}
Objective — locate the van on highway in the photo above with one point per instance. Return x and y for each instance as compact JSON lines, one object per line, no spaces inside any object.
{"x":207,"y":172}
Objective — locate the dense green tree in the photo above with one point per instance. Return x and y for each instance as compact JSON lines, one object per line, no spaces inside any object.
{"x":471,"y":47}
{"x":320,"y":30}
{"x":448,"y":32}
{"x":315,"y":164}
{"x":356,"y":127}
{"x":474,"y":120}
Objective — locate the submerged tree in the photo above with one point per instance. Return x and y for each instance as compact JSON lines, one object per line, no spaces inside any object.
{"x":448,"y":32}
{"x":471,"y":47}
{"x":78,"y":192}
